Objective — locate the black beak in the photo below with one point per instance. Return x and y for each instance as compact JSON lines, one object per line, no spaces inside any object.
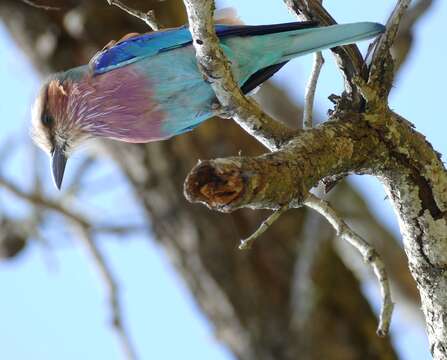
{"x":58,"y":163}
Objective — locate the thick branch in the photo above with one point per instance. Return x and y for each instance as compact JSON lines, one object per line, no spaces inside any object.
{"x":273,"y":180}
{"x":417,"y":185}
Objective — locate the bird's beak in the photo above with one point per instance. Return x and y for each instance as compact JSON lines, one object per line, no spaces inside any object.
{"x":59,"y":160}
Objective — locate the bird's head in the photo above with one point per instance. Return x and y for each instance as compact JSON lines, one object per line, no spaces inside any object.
{"x":55,"y":127}
{"x":75,"y":105}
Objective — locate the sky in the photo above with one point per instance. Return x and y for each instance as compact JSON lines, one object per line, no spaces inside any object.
{"x":53,"y":304}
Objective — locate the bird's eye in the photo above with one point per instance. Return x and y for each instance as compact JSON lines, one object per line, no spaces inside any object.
{"x":47,"y":120}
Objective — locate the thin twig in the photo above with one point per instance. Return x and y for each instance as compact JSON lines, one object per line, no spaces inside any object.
{"x":111,"y":287}
{"x":38,"y":6}
{"x":311,"y":88}
{"x":248,"y":242}
{"x":148,"y":17}
{"x":369,"y":255}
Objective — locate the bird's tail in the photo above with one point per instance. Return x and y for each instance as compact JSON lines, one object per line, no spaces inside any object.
{"x":300,"y":42}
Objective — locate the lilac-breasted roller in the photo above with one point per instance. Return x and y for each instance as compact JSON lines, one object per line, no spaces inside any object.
{"x":148,"y":87}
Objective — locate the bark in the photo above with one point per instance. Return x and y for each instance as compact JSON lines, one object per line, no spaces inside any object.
{"x":249,"y":297}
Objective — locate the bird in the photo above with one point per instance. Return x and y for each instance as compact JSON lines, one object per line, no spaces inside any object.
{"x":148,"y":87}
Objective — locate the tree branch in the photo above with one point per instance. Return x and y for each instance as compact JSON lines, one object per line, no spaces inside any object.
{"x":39,"y":6}
{"x":270,"y":181}
{"x":248,"y":242}
{"x":217,"y":71}
{"x":369,"y":254}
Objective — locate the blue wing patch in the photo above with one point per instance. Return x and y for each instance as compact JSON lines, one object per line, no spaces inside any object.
{"x":138,"y":47}
{"x":133,"y":49}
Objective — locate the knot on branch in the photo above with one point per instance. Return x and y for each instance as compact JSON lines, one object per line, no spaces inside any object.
{"x":214,"y":184}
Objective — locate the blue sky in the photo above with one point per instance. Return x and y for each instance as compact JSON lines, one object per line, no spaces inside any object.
{"x":53,"y":305}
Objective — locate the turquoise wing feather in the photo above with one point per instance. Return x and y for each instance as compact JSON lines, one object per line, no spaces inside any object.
{"x":147,"y":45}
